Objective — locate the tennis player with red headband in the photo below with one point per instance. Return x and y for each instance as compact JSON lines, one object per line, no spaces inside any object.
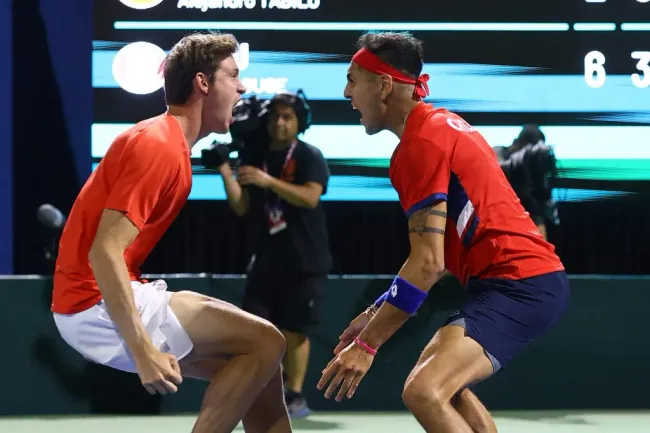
{"x":462,"y":216}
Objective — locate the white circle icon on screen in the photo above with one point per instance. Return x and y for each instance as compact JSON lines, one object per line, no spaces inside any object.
{"x":141,"y":4}
{"x":136,"y":68}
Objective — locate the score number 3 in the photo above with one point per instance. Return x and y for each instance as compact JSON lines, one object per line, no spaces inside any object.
{"x":644,"y":66}
{"x":595,"y":75}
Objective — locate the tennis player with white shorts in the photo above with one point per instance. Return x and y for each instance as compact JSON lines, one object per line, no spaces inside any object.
{"x":102,"y":307}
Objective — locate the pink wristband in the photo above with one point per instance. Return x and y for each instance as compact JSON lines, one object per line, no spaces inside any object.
{"x":365,"y":347}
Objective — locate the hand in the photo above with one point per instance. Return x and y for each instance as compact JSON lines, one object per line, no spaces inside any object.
{"x":352,"y":332}
{"x":222,"y":154}
{"x":225,"y":170}
{"x":249,"y":175}
{"x":348,"y":368}
{"x":159,"y":372}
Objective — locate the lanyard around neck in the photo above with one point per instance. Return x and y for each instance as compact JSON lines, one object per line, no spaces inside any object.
{"x":286,"y":160}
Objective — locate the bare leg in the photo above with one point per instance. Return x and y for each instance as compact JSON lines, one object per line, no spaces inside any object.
{"x":249,"y":350}
{"x":448,"y":364}
{"x":473,"y":412}
{"x":296,"y":360}
{"x":268,"y":414}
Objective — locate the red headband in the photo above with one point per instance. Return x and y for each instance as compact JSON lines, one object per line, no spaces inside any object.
{"x":374,"y":64}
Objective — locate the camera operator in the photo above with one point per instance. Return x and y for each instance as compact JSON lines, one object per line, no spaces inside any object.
{"x":529,"y":164}
{"x":278,"y":189}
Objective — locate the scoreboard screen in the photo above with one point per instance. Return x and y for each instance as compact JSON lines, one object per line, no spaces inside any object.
{"x":579,"y":69}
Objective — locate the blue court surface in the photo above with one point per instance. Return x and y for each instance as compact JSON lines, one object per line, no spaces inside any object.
{"x":507,"y":422}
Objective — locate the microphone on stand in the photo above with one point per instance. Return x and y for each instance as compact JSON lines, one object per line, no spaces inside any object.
{"x":52,"y":218}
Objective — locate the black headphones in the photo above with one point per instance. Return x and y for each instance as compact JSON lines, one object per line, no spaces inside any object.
{"x":298,"y":101}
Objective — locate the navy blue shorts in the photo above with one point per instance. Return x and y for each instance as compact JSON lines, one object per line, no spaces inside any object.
{"x":504,"y":316}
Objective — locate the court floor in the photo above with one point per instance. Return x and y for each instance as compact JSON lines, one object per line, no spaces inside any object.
{"x":520,"y":422}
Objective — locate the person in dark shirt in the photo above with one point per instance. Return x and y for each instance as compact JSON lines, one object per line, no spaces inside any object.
{"x":529,"y":163}
{"x":279,"y":194}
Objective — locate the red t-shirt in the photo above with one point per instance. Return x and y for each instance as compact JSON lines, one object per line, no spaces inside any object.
{"x":147,"y":174}
{"x":488,"y":232}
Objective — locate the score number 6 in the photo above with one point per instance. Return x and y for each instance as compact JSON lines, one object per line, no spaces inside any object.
{"x":595,"y":75}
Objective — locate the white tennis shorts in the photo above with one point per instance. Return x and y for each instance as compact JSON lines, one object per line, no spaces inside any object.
{"x":93,"y":334}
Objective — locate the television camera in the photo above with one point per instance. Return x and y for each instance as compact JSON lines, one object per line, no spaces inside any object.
{"x":531,"y":171}
{"x":248,"y":131}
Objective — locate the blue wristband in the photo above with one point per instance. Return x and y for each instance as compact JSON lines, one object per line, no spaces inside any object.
{"x":380,"y":300}
{"x":405,"y":296}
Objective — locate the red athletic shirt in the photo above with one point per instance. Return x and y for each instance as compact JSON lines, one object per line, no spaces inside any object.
{"x":147,"y":174}
{"x":488,"y":232}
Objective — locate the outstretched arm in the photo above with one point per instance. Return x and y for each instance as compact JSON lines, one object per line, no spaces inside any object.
{"x":423,"y":268}
{"x":421,"y":175}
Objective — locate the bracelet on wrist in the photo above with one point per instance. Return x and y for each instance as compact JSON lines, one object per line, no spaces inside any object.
{"x":365,"y":346}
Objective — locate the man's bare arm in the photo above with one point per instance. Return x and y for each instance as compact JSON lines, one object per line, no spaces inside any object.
{"x":238,"y":197}
{"x":423,"y":268}
{"x":114,"y":234}
{"x":307,"y":195}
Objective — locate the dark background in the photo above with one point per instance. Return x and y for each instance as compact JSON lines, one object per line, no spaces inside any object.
{"x":48,"y":48}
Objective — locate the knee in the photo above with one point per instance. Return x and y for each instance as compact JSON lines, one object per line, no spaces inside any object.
{"x":422,"y":394}
{"x":271,"y":342}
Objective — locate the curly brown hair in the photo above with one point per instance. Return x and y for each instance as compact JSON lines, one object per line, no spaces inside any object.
{"x":194,"y":53}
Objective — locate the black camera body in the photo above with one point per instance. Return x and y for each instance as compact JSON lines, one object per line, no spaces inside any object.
{"x":531,"y":171}
{"x":248,"y":131}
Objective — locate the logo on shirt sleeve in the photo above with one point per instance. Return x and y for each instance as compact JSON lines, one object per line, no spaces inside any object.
{"x":460,"y":125}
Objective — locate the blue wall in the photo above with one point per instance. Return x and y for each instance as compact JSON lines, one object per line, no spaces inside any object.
{"x":51,"y":116}
{"x":69,"y":27}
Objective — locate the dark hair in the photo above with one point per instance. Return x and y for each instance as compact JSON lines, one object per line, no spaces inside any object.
{"x":191,"y":55}
{"x":400,"y":50}
{"x":530,"y":134}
